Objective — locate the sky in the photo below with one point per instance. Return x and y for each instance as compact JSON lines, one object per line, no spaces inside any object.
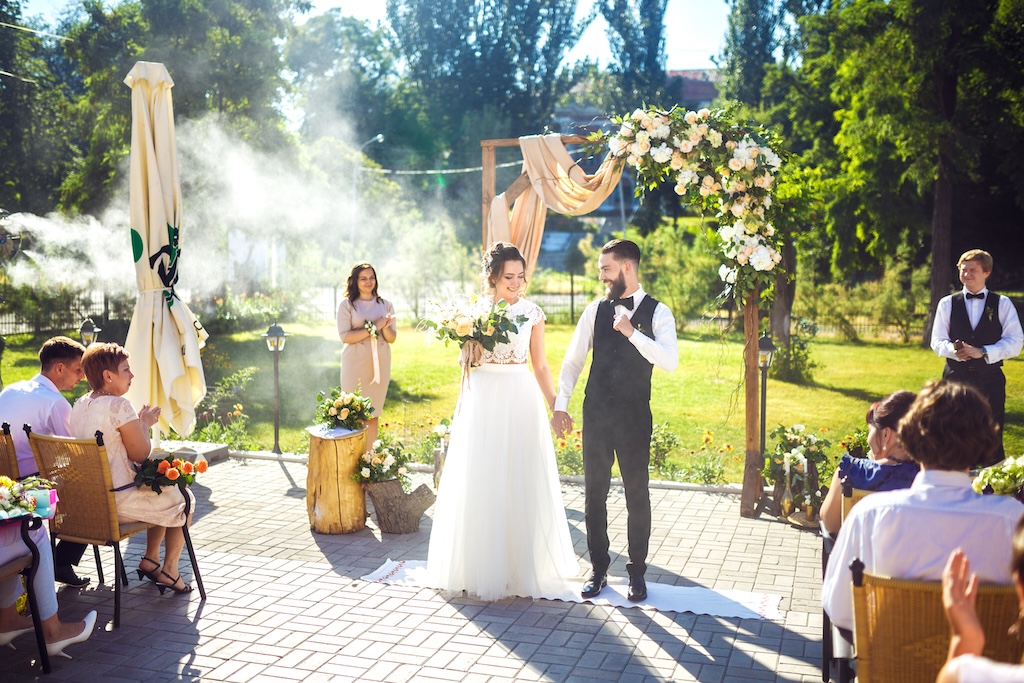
{"x":695,"y":29}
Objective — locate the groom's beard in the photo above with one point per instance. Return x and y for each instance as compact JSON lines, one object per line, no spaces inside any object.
{"x":616,"y":288}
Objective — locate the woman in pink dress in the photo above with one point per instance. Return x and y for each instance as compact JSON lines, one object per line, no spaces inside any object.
{"x":362,"y":304}
{"x":126,"y":437}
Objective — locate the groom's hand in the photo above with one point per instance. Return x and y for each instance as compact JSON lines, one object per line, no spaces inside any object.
{"x":623,"y":325}
{"x":561,"y":422}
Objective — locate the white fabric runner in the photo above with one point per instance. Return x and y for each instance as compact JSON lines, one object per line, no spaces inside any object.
{"x":660,"y":597}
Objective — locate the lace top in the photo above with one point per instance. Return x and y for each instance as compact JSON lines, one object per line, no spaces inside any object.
{"x":518,"y":347}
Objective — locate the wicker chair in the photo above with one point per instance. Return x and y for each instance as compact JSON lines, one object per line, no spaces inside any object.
{"x":26,"y":566}
{"x":86,"y":512}
{"x":835,"y":648}
{"x":900,"y":629}
{"x":8,"y":458}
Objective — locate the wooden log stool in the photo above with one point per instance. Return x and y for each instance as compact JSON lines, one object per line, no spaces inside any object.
{"x":336,"y":504}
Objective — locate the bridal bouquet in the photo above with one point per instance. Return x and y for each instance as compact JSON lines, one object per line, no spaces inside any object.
{"x":478,"y":324}
{"x":159,"y":473}
{"x":337,"y":408}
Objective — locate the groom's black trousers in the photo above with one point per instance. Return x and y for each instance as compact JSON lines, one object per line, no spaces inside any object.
{"x":622,"y":431}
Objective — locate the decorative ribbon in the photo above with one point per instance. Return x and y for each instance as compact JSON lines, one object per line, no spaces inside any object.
{"x":469,"y":357}
{"x":376,"y":360}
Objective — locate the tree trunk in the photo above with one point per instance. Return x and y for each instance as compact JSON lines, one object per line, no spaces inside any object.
{"x":398,"y":512}
{"x":335,"y":503}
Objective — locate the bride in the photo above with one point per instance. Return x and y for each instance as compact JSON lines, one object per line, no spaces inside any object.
{"x":499,"y":524}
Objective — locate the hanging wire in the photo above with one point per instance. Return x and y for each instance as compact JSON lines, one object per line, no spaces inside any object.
{"x":16,"y":27}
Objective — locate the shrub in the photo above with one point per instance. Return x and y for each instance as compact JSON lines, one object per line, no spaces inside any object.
{"x":663,"y":443}
{"x":704,"y":465}
{"x":569,"y":453}
{"x":220,"y":417}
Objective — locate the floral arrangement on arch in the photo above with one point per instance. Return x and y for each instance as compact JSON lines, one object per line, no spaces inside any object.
{"x":386,"y":460}
{"x":800,"y":458}
{"x":337,"y":408}
{"x":716,"y":164}
{"x":17,"y":498}
{"x":1005,"y":478}
{"x":160,"y":473}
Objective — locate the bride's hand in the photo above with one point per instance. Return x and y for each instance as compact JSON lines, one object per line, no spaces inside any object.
{"x":561,"y":422}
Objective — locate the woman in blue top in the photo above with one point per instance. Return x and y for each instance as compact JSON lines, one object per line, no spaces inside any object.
{"x":889,"y":466}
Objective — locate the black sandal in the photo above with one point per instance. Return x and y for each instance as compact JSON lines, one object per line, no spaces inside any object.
{"x":151,"y":575}
{"x":163,"y":586}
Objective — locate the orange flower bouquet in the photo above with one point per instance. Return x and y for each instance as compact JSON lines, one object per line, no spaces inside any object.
{"x":169,"y":471}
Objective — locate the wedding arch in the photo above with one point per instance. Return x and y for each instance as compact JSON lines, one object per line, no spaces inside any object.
{"x":722,"y":166}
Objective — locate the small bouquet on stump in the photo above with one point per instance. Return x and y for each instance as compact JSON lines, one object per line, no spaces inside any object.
{"x":476,"y":325}
{"x":794,"y":467}
{"x":383,"y":473}
{"x":337,"y":408}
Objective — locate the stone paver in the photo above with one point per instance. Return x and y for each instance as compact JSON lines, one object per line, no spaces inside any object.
{"x":285,"y":604}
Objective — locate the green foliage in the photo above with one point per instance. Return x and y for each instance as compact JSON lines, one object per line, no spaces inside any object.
{"x":569,"y":453}
{"x":220,"y":417}
{"x":338,"y":408}
{"x":793,"y":361}
{"x":704,"y":464}
{"x":750,"y":44}
{"x":230,"y":312}
{"x":387,"y":459}
{"x":663,"y":442}
{"x":636,"y":32}
{"x":679,"y":268}
{"x":802,"y":458}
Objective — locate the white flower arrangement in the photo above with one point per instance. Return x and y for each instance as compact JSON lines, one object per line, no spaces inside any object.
{"x":717,"y":165}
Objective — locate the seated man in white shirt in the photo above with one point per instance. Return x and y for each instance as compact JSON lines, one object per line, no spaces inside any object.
{"x":910,"y":533}
{"x":37,"y":402}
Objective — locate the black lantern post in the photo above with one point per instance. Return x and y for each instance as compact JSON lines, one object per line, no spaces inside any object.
{"x":275,"y":337}
{"x":88,"y":331}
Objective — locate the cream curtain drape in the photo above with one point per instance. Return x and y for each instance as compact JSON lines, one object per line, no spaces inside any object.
{"x":556,"y":183}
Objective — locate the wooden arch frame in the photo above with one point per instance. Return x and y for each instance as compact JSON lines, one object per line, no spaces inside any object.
{"x":753,"y":486}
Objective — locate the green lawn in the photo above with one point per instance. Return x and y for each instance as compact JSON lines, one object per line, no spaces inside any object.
{"x":704,"y":393}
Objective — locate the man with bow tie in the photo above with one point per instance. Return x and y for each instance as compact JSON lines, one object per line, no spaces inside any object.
{"x":630,"y":333}
{"x":975,"y":330}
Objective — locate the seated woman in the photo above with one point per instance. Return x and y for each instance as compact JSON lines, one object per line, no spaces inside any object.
{"x":889,"y":466}
{"x":126,"y":437}
{"x":959,"y":586}
{"x":57,"y":634}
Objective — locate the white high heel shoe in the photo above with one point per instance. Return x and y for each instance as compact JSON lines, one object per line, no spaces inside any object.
{"x":9,"y":636}
{"x":57,"y":649}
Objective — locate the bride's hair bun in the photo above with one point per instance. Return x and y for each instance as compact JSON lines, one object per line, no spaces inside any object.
{"x":495,"y":258}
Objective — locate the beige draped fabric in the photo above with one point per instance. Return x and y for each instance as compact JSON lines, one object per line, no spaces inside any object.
{"x":556,"y":183}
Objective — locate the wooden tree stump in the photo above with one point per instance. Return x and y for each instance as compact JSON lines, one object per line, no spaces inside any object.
{"x":399,"y":512}
{"x":335,"y":503}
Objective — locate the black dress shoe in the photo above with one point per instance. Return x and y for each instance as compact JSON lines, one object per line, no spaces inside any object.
{"x":637,"y":589}
{"x":66,"y":575}
{"x":594,"y":585}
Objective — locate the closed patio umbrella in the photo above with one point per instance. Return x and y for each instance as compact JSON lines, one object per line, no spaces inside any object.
{"x":164,"y":337}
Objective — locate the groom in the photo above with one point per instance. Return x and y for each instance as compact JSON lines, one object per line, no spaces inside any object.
{"x":630,"y":333}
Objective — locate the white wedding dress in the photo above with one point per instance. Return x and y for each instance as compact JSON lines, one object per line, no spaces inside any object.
{"x":499,"y":525}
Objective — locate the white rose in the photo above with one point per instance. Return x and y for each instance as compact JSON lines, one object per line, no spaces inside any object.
{"x":365,"y":472}
{"x":646,"y":123}
{"x":691,"y":117}
{"x":727,"y":274}
{"x":751,"y":164}
{"x":715,"y":138}
{"x":633,"y":160}
{"x":737,"y":209}
{"x":643,"y":146}
{"x":735,"y":164}
{"x":662,"y":153}
{"x":741,"y":258}
{"x":703,"y":129}
{"x":704,"y":113}
{"x":333,"y":411}
{"x":761,"y":259}
{"x":677,"y":160}
{"x":638,"y":114}
{"x":686,"y":147}
{"x":769,"y":230}
{"x":615,"y":146}
{"x":661,"y":132}
{"x":402,"y":471}
{"x":626,"y":130}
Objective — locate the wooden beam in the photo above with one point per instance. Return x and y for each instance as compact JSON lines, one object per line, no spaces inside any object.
{"x":490,"y":179}
{"x":754,"y":461}
{"x":518,"y":186}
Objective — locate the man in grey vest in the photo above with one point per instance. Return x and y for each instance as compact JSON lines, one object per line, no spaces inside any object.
{"x":630,"y":332}
{"x":975,"y":330}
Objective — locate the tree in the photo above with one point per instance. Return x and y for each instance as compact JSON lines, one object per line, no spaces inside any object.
{"x":636,"y":33}
{"x":750,"y":44}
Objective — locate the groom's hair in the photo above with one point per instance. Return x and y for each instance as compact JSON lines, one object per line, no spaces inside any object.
{"x":623,"y":250}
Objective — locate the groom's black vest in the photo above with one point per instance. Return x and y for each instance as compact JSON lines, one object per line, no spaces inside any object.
{"x":988,"y":331}
{"x":619,"y":375}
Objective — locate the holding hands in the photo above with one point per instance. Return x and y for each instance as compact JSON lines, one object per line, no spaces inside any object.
{"x":561,"y":422}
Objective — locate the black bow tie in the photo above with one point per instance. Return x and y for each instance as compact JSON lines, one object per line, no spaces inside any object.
{"x":979,"y":295}
{"x":627,"y":302}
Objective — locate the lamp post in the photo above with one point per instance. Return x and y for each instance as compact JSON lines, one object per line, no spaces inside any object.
{"x":88,"y":331}
{"x":765,"y":357}
{"x":275,"y":337}
{"x":379,"y":137}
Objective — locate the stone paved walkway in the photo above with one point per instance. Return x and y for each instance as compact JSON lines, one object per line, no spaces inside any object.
{"x":286,"y":604}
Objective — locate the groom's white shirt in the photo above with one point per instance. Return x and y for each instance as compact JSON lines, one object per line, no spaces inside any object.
{"x":662,"y":351}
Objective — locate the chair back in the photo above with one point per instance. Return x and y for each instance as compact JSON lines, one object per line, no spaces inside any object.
{"x":86,"y":512}
{"x":8,"y":458}
{"x":901,"y":633}
{"x":851,"y":497}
